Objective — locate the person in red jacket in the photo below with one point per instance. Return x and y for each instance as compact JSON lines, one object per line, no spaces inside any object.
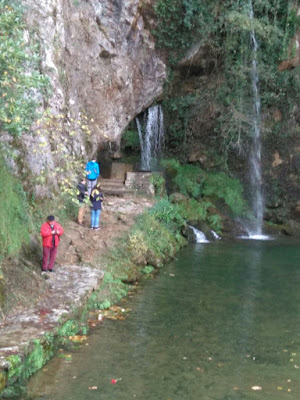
{"x":50,"y":232}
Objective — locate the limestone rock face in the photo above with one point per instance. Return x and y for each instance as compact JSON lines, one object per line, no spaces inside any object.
{"x":101,"y":61}
{"x":100,"y":58}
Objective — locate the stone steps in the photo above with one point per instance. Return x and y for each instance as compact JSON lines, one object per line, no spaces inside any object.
{"x":115,"y":187}
{"x":111,"y":183}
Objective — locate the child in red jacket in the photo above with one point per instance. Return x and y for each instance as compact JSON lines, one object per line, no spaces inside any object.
{"x":50,"y":232}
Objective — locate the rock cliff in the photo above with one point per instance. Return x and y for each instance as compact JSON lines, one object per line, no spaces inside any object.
{"x":104,"y":70}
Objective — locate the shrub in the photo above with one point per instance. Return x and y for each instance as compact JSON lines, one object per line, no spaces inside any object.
{"x":158,"y":181}
{"x":14,"y":219}
{"x":168,"y":213}
{"x":192,"y":210}
{"x":131,"y":141}
{"x":226,"y":188}
{"x":192,"y":181}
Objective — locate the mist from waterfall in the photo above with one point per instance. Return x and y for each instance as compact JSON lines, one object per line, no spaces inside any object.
{"x":151,"y":135}
{"x":255,"y":151}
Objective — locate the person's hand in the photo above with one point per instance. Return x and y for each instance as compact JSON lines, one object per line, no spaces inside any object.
{"x":88,"y":172}
{"x":53,"y":232}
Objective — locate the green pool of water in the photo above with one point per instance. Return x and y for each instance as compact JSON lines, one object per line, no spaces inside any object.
{"x":217,"y":323}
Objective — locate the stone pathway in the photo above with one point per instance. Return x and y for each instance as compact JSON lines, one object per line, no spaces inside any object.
{"x":68,"y":287}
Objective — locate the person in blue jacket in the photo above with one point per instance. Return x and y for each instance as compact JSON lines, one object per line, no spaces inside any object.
{"x":92,"y":173}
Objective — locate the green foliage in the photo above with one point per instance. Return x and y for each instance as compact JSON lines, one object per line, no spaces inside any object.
{"x":70,"y":328}
{"x":168,"y":213}
{"x":191,"y":181}
{"x":226,"y":188}
{"x":20,"y":79}
{"x":148,"y":269}
{"x":185,"y":178}
{"x":160,"y":229}
{"x":228,"y":25}
{"x":274,"y":24}
{"x":35,"y":360}
{"x":104,"y":305}
{"x":192,"y":210}
{"x":158,"y":181}
{"x":14,"y":213}
{"x":180,"y":22}
{"x":215,"y":222}
{"x":15,"y":366}
{"x":178,"y":111}
{"x":130,"y":140}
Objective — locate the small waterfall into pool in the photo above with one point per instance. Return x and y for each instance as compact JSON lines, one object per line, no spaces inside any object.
{"x":199,"y":235}
{"x":255,"y":151}
{"x":151,"y":135}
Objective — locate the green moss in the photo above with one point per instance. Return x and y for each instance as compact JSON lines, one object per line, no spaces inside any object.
{"x":35,"y":360}
{"x":148,"y":269}
{"x":106,"y":304}
{"x":70,"y":328}
{"x":14,"y":213}
{"x":15,"y":366}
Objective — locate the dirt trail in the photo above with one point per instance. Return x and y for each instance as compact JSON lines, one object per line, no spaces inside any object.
{"x":75,"y":276}
{"x":82,"y":244}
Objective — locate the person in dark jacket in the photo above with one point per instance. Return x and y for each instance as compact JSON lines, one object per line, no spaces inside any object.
{"x":81,"y":196}
{"x":50,"y":232}
{"x":96,"y":198}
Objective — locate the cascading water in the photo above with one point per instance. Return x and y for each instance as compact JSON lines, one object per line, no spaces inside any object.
{"x":199,"y":235}
{"x":151,"y":134}
{"x":255,"y":153}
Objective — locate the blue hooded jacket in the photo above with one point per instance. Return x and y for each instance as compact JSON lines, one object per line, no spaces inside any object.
{"x":94,"y":169}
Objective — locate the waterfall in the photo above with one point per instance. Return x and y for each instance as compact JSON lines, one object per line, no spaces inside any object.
{"x":199,"y":235}
{"x":151,"y":135}
{"x":255,"y":153}
{"x":215,"y":235}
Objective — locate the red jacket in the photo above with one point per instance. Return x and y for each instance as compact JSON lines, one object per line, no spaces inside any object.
{"x":46,"y":233}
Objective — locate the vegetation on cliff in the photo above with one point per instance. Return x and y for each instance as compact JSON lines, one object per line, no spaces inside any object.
{"x":225,"y":27}
{"x":20,"y":80}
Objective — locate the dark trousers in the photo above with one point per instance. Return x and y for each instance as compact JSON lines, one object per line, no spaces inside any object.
{"x":49,"y":254}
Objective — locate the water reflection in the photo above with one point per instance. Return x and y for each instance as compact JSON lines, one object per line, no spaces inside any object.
{"x":221,"y":319}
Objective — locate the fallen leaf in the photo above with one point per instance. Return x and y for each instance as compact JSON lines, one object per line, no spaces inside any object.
{"x":256,"y":388}
{"x":78,"y":338}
